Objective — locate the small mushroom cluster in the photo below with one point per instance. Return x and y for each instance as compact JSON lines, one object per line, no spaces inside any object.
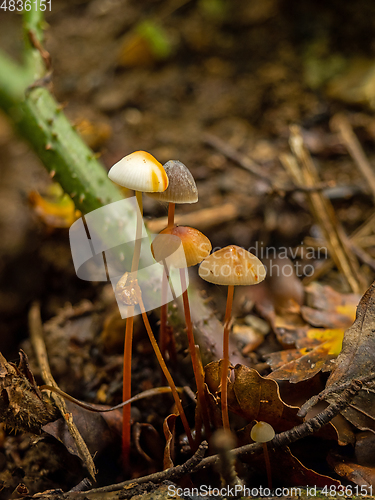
{"x":230,"y":266}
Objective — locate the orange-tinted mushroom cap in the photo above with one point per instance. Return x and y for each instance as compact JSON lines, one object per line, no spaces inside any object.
{"x":181,"y":187}
{"x":139,"y":171}
{"x":195,"y":244}
{"x":232,"y":265}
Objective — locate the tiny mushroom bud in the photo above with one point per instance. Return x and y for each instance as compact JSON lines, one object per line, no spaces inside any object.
{"x":230,"y":266}
{"x":262,"y":432}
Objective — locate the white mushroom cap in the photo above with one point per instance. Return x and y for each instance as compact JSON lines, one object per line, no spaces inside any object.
{"x":181,"y":188}
{"x":232,"y":265}
{"x":262,"y":432}
{"x":139,"y":171}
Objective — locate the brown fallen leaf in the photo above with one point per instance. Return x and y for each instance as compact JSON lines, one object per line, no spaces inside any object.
{"x":356,"y":361}
{"x":288,"y":470}
{"x":315,"y":348}
{"x":359,"y":474}
{"x":254,"y":397}
{"x":169,"y":428}
{"x":90,"y":425}
{"x":22,"y":406}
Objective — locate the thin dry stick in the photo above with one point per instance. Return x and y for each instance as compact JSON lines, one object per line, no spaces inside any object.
{"x":364,"y":230}
{"x":163,"y":366}
{"x":283,"y":439}
{"x":36,"y":336}
{"x":341,"y":124}
{"x":324,"y":214}
{"x":248,"y":164}
{"x":242,"y":160}
{"x":201,"y":219}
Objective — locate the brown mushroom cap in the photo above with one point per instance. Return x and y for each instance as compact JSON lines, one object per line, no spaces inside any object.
{"x":139,"y":171}
{"x":196,"y":246}
{"x":232,"y":265}
{"x":181,"y":187}
{"x":262,"y":432}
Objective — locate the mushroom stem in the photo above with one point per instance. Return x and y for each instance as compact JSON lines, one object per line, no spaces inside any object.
{"x":225,"y":362}
{"x":163,"y":313}
{"x":163,"y":335}
{"x":166,"y":372}
{"x":268,"y":465}
{"x":126,"y":391}
{"x":193,"y":354}
{"x":171,"y":207}
{"x":138,"y":235}
{"x":126,"y":384}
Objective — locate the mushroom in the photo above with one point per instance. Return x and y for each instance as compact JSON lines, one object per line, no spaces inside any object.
{"x":143,"y":173}
{"x":181,"y":189}
{"x":262,"y":432}
{"x":230,"y":266}
{"x":196,"y":247}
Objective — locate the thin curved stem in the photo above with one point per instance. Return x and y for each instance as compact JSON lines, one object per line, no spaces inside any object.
{"x":127,"y":367}
{"x":225,"y":362}
{"x":166,"y":372}
{"x":163,"y":313}
{"x":268,"y":465}
{"x":164,"y":341}
{"x":126,"y":391}
{"x":193,"y":354}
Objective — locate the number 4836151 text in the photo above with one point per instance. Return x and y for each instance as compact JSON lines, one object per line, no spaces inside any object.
{"x":25,"y":5}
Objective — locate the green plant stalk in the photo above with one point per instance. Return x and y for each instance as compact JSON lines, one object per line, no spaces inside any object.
{"x":40,"y":120}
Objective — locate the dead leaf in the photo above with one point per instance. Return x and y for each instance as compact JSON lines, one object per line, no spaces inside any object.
{"x":169,"y":429}
{"x":22,"y":406}
{"x":90,"y":425}
{"x":315,"y":348}
{"x":356,"y":360}
{"x":254,"y":397}
{"x":56,"y":209}
{"x":287,"y":470}
{"x":358,"y":474}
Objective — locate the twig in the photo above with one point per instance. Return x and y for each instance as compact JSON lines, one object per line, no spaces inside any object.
{"x":252,"y":167}
{"x":202,"y":219}
{"x":239,"y":158}
{"x":174,"y":473}
{"x":364,"y":230}
{"x":341,"y":124}
{"x":197,"y":462}
{"x":303,"y":171}
{"x":36,"y":336}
